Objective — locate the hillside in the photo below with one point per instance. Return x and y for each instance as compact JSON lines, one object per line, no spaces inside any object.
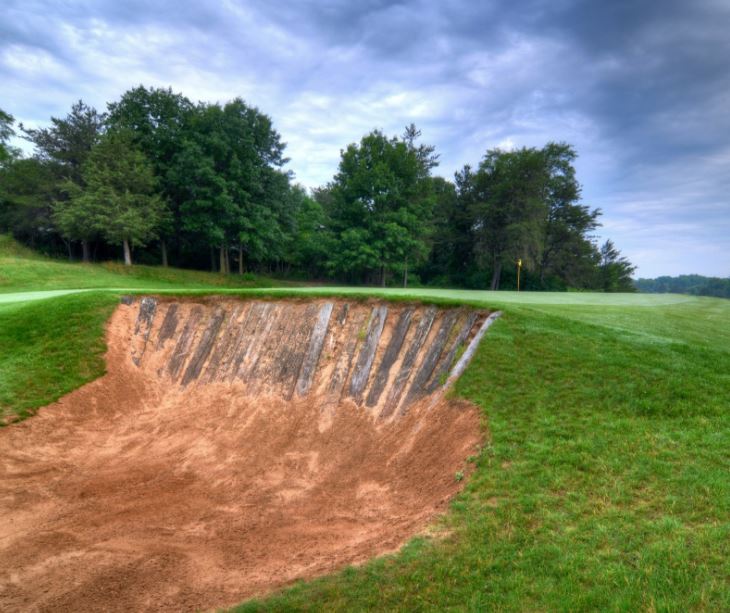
{"x":23,"y":270}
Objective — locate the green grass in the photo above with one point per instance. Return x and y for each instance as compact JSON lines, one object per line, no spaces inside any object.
{"x":605,"y":481}
{"x":22,"y":270}
{"x":50,"y":348}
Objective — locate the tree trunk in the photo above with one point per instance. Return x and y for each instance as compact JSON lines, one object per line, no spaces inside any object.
{"x":212,"y":259}
{"x":228,"y":261}
{"x":382,"y":275}
{"x":164,"y":254}
{"x":222,"y":259}
{"x":496,"y":274}
{"x":405,"y":274}
{"x":240,"y":258}
{"x":85,"y":251}
{"x":68,"y":247}
{"x":127,"y":253}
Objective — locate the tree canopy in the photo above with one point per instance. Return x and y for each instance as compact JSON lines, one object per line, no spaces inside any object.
{"x":119,"y":199}
{"x":379,"y":204}
{"x":206,"y":184}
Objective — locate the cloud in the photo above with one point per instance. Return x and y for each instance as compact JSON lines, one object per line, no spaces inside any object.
{"x":640,"y":88}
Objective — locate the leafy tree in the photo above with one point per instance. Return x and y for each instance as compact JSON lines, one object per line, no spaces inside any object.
{"x":566,"y":250}
{"x":157,"y":120}
{"x":28,"y":188}
{"x":119,"y":198}
{"x":311,"y":242}
{"x":381,"y":202}
{"x":452,"y":255}
{"x":232,"y":189}
{"x":505,"y":199}
{"x":522,"y":205}
{"x":77,"y":215}
{"x":697,"y":285}
{"x":614,"y":270}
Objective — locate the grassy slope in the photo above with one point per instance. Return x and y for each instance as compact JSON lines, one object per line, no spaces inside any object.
{"x":50,"y":348}
{"x":22,"y":270}
{"x":605,"y":482}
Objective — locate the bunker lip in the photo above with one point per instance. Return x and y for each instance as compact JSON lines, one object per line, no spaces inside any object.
{"x":233,"y":447}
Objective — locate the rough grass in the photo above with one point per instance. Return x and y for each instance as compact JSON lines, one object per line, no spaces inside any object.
{"x":48,"y":349}
{"x":604,"y":484}
{"x":23,"y":270}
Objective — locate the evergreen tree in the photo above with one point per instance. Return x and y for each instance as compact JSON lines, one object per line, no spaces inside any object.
{"x":64,"y":147}
{"x":119,"y":198}
{"x":614,"y":270}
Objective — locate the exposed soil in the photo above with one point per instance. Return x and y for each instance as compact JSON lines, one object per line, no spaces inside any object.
{"x":138,"y":492}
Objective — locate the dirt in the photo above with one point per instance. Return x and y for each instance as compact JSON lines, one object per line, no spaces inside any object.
{"x":136,"y":492}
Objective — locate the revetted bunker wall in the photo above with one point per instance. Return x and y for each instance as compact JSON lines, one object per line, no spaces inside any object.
{"x":380,"y":356}
{"x":232,"y":447}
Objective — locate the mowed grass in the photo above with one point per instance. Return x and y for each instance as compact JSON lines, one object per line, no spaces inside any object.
{"x":604,"y":484}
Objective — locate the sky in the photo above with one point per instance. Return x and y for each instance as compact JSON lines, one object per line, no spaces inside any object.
{"x":641,"y":89}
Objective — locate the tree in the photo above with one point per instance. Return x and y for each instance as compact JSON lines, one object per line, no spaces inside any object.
{"x":506,"y":202}
{"x":566,"y":251}
{"x":157,"y":120}
{"x":65,"y":146}
{"x":119,"y":199}
{"x":68,"y":141}
{"x":7,"y":153}
{"x":381,"y":203}
{"x":28,"y":188}
{"x":452,"y":253}
{"x":77,"y":215}
{"x":614,"y":270}
{"x":525,"y":205}
{"x":311,"y":242}
{"x":228,"y":170}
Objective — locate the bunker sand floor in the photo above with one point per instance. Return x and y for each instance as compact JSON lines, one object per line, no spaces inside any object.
{"x":232,"y":448}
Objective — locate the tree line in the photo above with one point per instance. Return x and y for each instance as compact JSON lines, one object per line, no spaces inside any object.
{"x":695,"y":285}
{"x":161,"y":179}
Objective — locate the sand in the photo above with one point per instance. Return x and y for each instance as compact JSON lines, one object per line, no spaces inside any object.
{"x":137,"y":493}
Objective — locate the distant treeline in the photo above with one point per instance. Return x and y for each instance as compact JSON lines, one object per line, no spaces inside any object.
{"x":696,"y":285}
{"x":158,"y":178}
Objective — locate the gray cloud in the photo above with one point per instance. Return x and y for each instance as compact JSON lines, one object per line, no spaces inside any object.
{"x":641,"y":88}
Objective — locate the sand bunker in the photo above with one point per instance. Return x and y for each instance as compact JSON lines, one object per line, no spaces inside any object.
{"x":231,"y":448}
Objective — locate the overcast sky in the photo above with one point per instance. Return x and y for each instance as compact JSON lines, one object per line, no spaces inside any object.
{"x":640,"y":88}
